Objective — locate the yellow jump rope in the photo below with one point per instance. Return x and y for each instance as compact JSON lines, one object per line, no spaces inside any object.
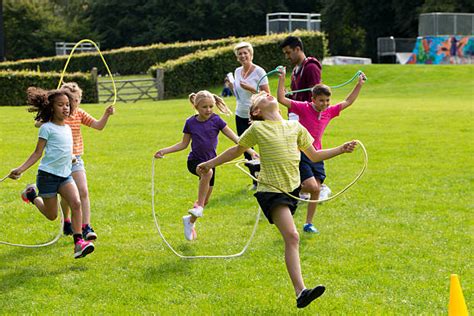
{"x":55,"y":239}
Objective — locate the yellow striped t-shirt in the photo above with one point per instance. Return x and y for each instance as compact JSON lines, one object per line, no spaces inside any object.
{"x":279,"y":144}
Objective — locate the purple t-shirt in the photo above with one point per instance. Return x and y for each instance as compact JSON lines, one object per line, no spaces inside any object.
{"x":203,"y":136}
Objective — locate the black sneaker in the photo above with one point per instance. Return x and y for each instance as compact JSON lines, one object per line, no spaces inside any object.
{"x":67,"y":228}
{"x":88,"y":233}
{"x":307,"y":296}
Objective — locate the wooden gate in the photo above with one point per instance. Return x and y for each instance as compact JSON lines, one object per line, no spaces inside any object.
{"x":131,"y":90}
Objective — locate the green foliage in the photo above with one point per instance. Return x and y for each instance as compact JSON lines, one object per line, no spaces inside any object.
{"x":13,"y":85}
{"x":387,"y":246}
{"x":206,"y":68}
{"x":123,"y":61}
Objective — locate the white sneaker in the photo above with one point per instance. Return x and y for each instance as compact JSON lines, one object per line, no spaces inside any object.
{"x":188,"y":227}
{"x":305,"y":195}
{"x":325,"y":192}
{"x":196,"y":211}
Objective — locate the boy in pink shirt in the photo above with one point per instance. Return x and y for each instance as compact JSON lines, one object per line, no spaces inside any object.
{"x":315,"y":116}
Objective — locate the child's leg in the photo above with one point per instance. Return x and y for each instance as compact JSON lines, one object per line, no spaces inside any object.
{"x":81,"y":183}
{"x":283,"y":219}
{"x":65,"y":208}
{"x":70,"y":193}
{"x":47,"y":206}
{"x":312,"y":186}
{"x":204,"y":192}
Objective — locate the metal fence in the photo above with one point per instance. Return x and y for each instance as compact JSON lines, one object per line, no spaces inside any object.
{"x":282,"y":22}
{"x":439,"y":24}
{"x":389,"y":46}
{"x":65,"y":48}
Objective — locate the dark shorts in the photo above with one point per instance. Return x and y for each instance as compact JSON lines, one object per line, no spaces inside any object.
{"x":310,"y":169}
{"x":48,"y":184}
{"x":192,"y":164}
{"x":269,"y":200}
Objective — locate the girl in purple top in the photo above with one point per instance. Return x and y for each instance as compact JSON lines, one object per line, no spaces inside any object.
{"x":202,"y":131}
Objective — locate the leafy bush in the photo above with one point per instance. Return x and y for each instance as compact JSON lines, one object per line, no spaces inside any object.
{"x":13,"y":85}
{"x":208,"y":67}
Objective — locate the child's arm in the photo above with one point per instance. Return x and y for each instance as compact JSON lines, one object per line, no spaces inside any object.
{"x":34,"y":157}
{"x":227,"y":131}
{"x":176,"y":147}
{"x":228,"y":155}
{"x":282,"y":99}
{"x":354,"y":93}
{"x":323,"y":154}
{"x":100,"y":124}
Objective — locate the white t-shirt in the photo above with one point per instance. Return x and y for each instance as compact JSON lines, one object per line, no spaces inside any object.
{"x":57,"y":158}
{"x":243,"y":96}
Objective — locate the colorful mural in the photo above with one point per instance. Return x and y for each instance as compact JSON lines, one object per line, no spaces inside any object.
{"x":443,"y":50}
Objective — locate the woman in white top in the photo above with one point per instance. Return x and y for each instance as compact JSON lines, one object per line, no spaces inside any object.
{"x":244,"y":86}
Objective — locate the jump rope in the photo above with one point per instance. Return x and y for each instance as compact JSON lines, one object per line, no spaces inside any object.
{"x":55,"y":239}
{"x":238,"y":164}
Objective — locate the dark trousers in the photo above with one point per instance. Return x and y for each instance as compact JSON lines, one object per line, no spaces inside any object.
{"x":242,"y":124}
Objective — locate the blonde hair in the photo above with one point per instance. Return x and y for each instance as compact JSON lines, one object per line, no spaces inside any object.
{"x":243,"y":45}
{"x":196,"y":98}
{"x":255,"y":100}
{"x":75,"y":91}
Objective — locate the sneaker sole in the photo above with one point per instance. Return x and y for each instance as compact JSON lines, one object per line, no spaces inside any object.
{"x":90,"y":236}
{"x":87,"y":250}
{"x":317,"y":292}
{"x":195,"y":215}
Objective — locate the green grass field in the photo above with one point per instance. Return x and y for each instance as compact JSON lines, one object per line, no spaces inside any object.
{"x":387,"y":246}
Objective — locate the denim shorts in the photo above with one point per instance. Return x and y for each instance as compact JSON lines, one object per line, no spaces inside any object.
{"x":310,"y":169}
{"x":78,"y":165}
{"x":48,"y":184}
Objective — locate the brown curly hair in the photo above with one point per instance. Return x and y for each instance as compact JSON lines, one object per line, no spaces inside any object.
{"x":42,"y":101}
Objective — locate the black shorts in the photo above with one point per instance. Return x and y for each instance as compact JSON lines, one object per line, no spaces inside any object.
{"x":192,"y":164}
{"x":310,"y":169}
{"x":269,"y":200}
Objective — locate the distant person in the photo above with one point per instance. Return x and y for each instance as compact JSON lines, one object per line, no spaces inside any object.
{"x":201,"y":130}
{"x":280,"y":142}
{"x":315,"y":116}
{"x":247,"y":77}
{"x":226,"y":91}
{"x":54,"y":171}
{"x":306,"y":72}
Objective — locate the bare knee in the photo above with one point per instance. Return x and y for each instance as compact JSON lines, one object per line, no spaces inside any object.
{"x":207,"y":175}
{"x":292,"y":238}
{"x":313,"y":188}
{"x":75,"y":204}
{"x":83,"y":192}
{"x":52,"y":216}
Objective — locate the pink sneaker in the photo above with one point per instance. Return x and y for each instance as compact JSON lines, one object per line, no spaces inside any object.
{"x":29,"y":193}
{"x":82,"y":248}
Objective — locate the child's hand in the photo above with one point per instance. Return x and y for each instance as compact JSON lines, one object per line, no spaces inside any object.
{"x":281,"y":72}
{"x":110,"y":110}
{"x":254,"y":155}
{"x":348,"y":147}
{"x":203,"y":168}
{"x":362,"y":78}
{"x":159,"y":154}
{"x":15,"y":174}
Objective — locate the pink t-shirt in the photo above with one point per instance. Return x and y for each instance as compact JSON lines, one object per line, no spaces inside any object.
{"x":315,"y":122}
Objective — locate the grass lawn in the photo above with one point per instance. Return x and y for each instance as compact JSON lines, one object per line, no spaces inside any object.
{"x":387,"y":246}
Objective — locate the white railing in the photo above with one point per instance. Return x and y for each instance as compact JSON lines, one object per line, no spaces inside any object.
{"x":281,"y":22}
{"x":65,"y":48}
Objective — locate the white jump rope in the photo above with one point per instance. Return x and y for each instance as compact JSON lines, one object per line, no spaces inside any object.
{"x":238,"y":164}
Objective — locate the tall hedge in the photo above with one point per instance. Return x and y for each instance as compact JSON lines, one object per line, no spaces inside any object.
{"x":207,"y":68}
{"x":123,"y":61}
{"x":13,"y":85}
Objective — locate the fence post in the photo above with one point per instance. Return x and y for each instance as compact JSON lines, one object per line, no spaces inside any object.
{"x":160,"y":84}
{"x":95,"y":83}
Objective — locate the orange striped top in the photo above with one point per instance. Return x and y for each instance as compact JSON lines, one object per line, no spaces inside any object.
{"x":75,"y":121}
